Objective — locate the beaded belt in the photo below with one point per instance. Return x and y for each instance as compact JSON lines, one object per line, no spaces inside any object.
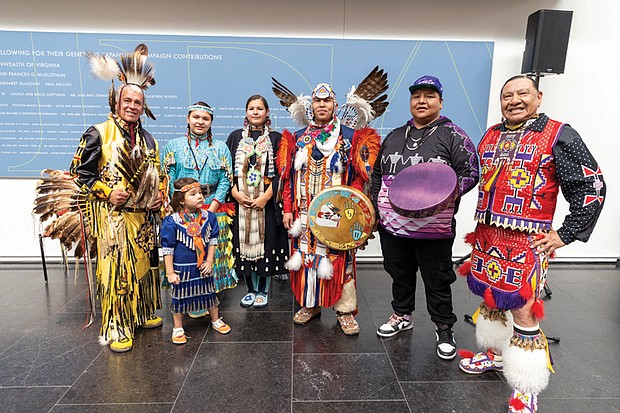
{"x":208,"y":189}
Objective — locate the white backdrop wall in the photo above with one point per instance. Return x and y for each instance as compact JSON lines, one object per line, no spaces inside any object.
{"x":585,"y":96}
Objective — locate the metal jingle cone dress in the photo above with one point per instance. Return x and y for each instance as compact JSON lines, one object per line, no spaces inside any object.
{"x":187,"y":237}
{"x":210,"y":164}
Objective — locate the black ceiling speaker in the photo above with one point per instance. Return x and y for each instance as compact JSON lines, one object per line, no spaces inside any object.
{"x":546,"y":42}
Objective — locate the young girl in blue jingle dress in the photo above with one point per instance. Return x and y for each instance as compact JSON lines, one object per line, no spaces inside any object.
{"x":198,"y":155}
{"x":188,"y":239}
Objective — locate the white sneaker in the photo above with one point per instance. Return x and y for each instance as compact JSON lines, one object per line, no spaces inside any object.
{"x":446,"y":346}
{"x":178,"y":336}
{"x":395,"y":325}
{"x":220,"y":326}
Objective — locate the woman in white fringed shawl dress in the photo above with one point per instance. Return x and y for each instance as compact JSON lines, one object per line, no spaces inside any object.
{"x":259,"y":239}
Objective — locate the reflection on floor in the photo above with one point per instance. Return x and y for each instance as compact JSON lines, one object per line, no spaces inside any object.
{"x":268,"y":364}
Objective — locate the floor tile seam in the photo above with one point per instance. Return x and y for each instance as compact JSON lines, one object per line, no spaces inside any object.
{"x":447,"y":381}
{"x":340,"y":354}
{"x":292,"y":391}
{"x":49,"y":317}
{"x":586,"y":294}
{"x":49,"y":386}
{"x":81,"y":374}
{"x":559,"y":284}
{"x":84,"y":290}
{"x":501,"y":377}
{"x":402,"y":391}
{"x":584,"y":305}
{"x":255,"y":311}
{"x":248,"y":342}
{"x":84,"y":344}
{"x":583,"y":266}
{"x":191,"y":366}
{"x":580,"y":340}
{"x":27,"y":266}
{"x":176,"y":399}
{"x":541,"y":397}
{"x":60,"y":282}
{"x":116,"y":404}
{"x":349,"y":400}
{"x":70,"y":312}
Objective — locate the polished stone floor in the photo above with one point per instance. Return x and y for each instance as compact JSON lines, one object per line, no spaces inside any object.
{"x":48,"y":363}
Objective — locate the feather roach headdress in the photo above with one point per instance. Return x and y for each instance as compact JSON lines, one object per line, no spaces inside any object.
{"x":132,"y":69}
{"x":364,"y":102}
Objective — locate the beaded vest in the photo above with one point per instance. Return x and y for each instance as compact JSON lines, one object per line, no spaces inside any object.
{"x":518,"y":185}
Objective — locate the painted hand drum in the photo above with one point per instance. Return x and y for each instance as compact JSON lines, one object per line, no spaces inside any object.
{"x":341,"y":217}
{"x":423,"y":190}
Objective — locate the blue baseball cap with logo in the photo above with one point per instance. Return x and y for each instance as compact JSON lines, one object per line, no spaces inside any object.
{"x":427,"y":81}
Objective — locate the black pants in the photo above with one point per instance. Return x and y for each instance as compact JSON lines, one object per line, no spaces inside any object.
{"x":262,"y":286}
{"x":401,"y":259}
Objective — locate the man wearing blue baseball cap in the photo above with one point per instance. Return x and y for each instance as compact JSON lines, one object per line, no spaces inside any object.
{"x":412,"y":243}
{"x":427,"y":82}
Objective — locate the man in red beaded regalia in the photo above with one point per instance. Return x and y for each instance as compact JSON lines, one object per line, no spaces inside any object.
{"x":325,"y":153}
{"x":525,"y":160}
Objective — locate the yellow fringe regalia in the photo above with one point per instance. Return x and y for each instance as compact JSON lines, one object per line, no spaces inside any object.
{"x":127,"y":259}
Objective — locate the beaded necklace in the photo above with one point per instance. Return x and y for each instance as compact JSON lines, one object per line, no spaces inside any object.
{"x":258,"y":154}
{"x":324,"y":137}
{"x":250,"y":147}
{"x":417,"y":142}
{"x":523,"y":125}
{"x":320,"y":133}
{"x":196,"y":138}
{"x":192,"y":222}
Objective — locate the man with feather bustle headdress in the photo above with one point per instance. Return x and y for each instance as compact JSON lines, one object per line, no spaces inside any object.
{"x":332,"y":149}
{"x":117,"y":164}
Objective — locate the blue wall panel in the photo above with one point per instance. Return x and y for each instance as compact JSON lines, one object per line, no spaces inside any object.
{"x":48,"y":96}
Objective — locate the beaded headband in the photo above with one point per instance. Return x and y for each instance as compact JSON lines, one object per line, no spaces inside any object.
{"x":200,"y":107}
{"x":187,"y":187}
{"x":323,"y":91}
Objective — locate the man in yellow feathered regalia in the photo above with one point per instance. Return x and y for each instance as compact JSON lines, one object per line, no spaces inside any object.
{"x":117,"y":163}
